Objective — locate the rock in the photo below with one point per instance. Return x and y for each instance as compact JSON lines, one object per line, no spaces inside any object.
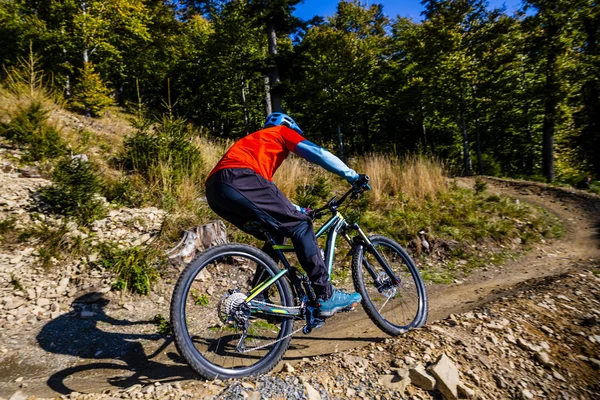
{"x":543,"y":358}
{"x":311,"y":392}
{"x":16,"y":259}
{"x":287,"y":367}
{"x":465,"y":391}
{"x":351,"y":360}
{"x":446,"y":375}
{"x":525,"y":345}
{"x":401,"y":372}
{"x":18,"y":396}
{"x":42,"y":302}
{"x":558,"y":376}
{"x":419,"y":377}
{"x":546,"y":330}
{"x":526,"y":394}
{"x":254,"y":395}
{"x":394,"y":382}
{"x":14,"y":303}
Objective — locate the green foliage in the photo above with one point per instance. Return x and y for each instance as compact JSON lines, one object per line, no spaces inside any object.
{"x":124,"y":192}
{"x":163,"y":325}
{"x":90,"y":94}
{"x":312,"y":194}
{"x":480,"y":185}
{"x":164,"y":155}
{"x":54,"y":242}
{"x":7,"y":225}
{"x":14,"y":281}
{"x":135,"y":267}
{"x":462,"y":222}
{"x":199,"y":299}
{"x":74,"y":192}
{"x":30,"y":129}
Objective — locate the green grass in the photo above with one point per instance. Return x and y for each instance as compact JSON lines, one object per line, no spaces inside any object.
{"x":135,"y":267}
{"x":16,"y":284}
{"x":163,"y":326}
{"x":469,"y":230}
{"x":199,"y":299}
{"x":53,"y":242}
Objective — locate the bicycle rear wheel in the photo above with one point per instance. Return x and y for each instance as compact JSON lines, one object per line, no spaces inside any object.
{"x":208,"y":313}
{"x":393,"y":307}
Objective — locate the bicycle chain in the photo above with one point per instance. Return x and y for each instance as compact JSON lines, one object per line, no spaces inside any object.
{"x":278,"y":340}
{"x":273,"y":342}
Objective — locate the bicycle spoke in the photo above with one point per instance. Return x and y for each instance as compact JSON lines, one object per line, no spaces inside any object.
{"x":394,"y":307}
{"x":214,"y":316}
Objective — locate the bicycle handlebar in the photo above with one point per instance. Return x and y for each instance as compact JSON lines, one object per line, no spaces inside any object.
{"x":358,"y":187}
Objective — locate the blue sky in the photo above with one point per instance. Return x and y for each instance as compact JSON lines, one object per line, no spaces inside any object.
{"x":392,"y":8}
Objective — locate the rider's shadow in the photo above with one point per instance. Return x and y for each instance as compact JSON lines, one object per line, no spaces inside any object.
{"x":89,"y":333}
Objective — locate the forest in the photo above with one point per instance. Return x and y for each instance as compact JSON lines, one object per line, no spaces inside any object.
{"x":484,"y":91}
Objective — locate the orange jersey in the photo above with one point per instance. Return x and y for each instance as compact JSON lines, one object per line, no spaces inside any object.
{"x":262,"y":151}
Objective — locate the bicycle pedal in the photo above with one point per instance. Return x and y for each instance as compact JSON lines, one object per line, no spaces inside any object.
{"x":316,"y":324}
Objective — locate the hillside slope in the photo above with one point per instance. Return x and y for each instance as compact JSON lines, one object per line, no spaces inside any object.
{"x":507,"y":337}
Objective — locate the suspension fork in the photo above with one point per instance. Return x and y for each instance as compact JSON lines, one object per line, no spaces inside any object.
{"x":366,"y":243}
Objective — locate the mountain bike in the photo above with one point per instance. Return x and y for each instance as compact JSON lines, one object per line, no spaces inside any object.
{"x":233,"y":310}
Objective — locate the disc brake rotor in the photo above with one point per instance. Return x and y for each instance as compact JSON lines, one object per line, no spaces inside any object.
{"x":385,"y":286}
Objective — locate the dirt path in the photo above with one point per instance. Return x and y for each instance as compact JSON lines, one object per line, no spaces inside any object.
{"x":147,"y":358}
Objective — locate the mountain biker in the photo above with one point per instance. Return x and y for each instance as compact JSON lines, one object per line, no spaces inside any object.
{"x":240,"y":189}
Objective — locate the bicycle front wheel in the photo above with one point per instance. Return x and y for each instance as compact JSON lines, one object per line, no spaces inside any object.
{"x":394,"y":307}
{"x":214,"y":329}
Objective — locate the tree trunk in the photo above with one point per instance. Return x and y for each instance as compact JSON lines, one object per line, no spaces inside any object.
{"x":268,"y":105}
{"x":478,"y":138}
{"x":274,"y":79}
{"x":466,"y":156}
{"x":550,"y":114}
{"x":591,"y":99}
{"x":245,"y":106}
{"x":340,"y":143}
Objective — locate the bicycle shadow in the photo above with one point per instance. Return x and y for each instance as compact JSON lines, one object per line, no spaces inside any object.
{"x":90,"y":334}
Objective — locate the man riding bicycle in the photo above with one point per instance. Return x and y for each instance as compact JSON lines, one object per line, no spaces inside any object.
{"x":240,"y":189}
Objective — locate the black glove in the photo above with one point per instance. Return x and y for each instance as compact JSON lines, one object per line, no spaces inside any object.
{"x":362,"y":181}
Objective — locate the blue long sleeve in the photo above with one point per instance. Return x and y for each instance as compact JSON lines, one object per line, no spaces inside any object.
{"x":323,"y":158}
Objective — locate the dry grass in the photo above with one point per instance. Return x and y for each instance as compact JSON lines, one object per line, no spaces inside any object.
{"x":411,"y":177}
{"x":295,"y":172}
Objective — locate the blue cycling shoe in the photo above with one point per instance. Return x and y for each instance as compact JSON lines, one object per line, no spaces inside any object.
{"x":339,"y":301}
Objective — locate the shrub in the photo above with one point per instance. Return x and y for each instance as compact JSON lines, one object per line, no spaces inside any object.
{"x":491,"y":166}
{"x":163,"y":326}
{"x":90,"y":94}
{"x":166,"y":157}
{"x":30,"y":129}
{"x":311,"y":194}
{"x":480,"y":185}
{"x":54,"y":242}
{"x":134,"y":267}
{"x":123,"y":192}
{"x":74,"y":192}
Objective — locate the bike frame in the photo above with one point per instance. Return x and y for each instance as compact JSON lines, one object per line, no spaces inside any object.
{"x":334,"y":227}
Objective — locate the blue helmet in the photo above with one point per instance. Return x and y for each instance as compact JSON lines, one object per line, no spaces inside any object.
{"x":277,"y":118}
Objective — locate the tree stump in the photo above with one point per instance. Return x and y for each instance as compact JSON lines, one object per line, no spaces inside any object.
{"x":197,"y":240}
